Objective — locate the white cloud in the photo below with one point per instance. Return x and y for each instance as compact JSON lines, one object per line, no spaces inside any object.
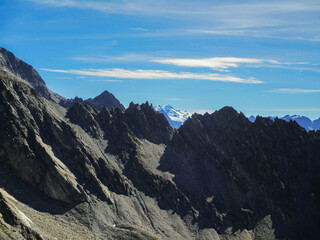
{"x":154,"y":74}
{"x":217,"y":63}
{"x":285,"y":66}
{"x":165,"y":7}
{"x":140,"y":29}
{"x":295,"y":90}
{"x":273,"y":61}
{"x":223,"y":63}
{"x":300,"y":33}
{"x":290,"y":20}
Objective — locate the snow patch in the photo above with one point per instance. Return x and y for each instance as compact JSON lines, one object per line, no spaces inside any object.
{"x":175,"y":117}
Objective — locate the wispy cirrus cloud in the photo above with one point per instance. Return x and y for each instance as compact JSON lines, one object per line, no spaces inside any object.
{"x":300,"y":33}
{"x":293,"y":66}
{"x":295,"y":90}
{"x":159,"y":7}
{"x":217,"y":63}
{"x":294,"y":20}
{"x":139,"y":29}
{"x":223,"y":63}
{"x":155,"y":74}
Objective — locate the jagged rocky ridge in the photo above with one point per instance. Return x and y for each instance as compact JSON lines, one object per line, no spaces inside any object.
{"x":176,"y":118}
{"x":303,"y":121}
{"x":22,"y":71}
{"x":100,"y":163}
{"x":233,"y":169}
{"x":80,"y":173}
{"x":105,"y":99}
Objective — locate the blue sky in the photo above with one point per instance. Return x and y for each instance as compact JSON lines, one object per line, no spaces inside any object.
{"x":261,"y":57}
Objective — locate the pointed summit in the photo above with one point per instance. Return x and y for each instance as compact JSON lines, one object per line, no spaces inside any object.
{"x":106,"y":99}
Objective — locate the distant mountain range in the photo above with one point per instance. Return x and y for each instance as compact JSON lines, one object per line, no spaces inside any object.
{"x":175,"y":117}
{"x":303,"y":121}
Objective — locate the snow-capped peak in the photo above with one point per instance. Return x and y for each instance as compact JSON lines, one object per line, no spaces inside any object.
{"x":301,"y":120}
{"x":175,"y":117}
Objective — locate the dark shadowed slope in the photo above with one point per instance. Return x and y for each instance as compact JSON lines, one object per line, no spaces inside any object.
{"x":303,"y":121}
{"x":22,"y":71}
{"x":80,"y":173}
{"x":238,"y":172}
{"x":103,"y":175}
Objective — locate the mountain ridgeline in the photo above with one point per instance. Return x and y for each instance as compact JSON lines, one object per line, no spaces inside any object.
{"x":176,"y":118}
{"x":85,"y":171}
{"x":21,"y":71}
{"x":303,"y":121}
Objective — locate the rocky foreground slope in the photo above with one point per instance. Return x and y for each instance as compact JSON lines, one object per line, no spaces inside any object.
{"x":82,"y":173}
